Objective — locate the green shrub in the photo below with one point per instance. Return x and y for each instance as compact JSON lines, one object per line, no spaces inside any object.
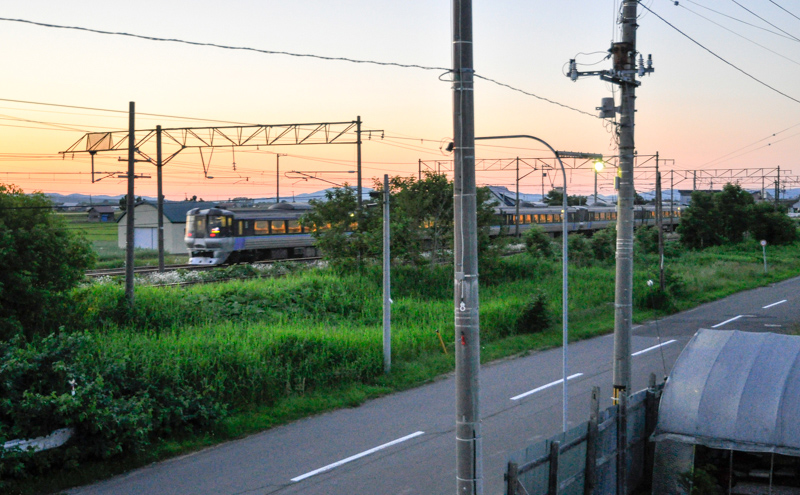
{"x":534,"y":317}
{"x":604,"y":243}
{"x":538,"y":243}
{"x":580,"y":250}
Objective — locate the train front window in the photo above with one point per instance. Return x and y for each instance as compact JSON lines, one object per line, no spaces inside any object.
{"x":217,"y":226}
{"x":196,"y":226}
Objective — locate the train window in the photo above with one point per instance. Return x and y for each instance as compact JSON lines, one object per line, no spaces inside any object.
{"x":261,"y":227}
{"x":196,"y":226}
{"x":278,"y":227}
{"x":294,"y":227}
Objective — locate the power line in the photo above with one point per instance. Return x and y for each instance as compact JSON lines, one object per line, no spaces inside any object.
{"x":270,"y":52}
{"x":741,"y":21}
{"x":738,"y":34}
{"x":771,"y":24}
{"x":118,"y":111}
{"x":775,"y":4}
{"x":719,"y":57}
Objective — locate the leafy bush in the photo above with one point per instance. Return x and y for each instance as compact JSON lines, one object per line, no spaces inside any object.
{"x":66,"y":381}
{"x":534,"y":317}
{"x":604,"y":243}
{"x":538,"y":243}
{"x":579,"y":250}
{"x":646,"y":239}
{"x":771,"y":225}
{"x":39,"y":260}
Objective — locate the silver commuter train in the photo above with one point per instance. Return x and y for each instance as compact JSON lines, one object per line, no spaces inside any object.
{"x":215,"y":236}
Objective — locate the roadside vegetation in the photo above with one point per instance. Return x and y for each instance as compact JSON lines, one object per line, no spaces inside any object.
{"x":192,"y":366}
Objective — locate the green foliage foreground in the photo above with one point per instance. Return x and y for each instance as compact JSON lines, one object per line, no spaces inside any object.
{"x":205,"y":363}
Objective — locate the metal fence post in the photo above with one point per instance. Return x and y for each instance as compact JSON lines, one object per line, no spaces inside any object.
{"x":590,"y":471}
{"x":552,"y":480}
{"x":622,"y":443}
{"x":513,"y":478}
{"x":650,"y":418}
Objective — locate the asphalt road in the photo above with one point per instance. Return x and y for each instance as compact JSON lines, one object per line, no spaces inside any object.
{"x":405,"y":443}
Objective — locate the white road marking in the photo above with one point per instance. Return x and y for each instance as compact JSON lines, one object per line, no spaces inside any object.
{"x":357,"y":456}
{"x":727,"y":321}
{"x":772,"y":325}
{"x":774,"y":304}
{"x":539,"y":389}
{"x":652,"y":348}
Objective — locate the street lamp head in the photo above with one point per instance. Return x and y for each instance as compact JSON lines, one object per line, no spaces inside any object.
{"x":599,"y":165}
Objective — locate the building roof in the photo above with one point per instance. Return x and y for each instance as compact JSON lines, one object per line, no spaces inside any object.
{"x":176,"y":211}
{"x":102,"y":209}
{"x":736,"y":391}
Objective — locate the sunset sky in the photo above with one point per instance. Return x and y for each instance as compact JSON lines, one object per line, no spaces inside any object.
{"x":701,"y":109}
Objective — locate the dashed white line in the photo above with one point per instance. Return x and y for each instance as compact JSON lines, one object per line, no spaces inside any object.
{"x":727,"y":321}
{"x":652,"y":348}
{"x":357,"y":456}
{"x":551,"y":384}
{"x":774,"y":304}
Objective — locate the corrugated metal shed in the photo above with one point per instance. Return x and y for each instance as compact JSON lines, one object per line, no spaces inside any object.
{"x":736,"y":391}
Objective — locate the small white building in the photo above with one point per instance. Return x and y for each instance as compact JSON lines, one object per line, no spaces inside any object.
{"x":146,"y":225}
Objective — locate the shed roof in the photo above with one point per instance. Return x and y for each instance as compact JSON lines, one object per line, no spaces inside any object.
{"x":735,"y":390}
{"x":176,"y":211}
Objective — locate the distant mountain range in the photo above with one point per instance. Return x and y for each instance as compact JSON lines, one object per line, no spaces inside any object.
{"x":88,"y":199}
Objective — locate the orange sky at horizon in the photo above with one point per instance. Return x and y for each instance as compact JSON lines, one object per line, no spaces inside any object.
{"x":694,"y":109}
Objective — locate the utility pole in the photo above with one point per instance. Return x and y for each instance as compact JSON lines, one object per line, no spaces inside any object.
{"x":469,"y":457}
{"x":778,"y":188}
{"x":660,"y":227}
{"x":387,"y":281}
{"x":129,"y":205}
{"x":516,"y":204}
{"x":160,"y":201}
{"x":358,"y":159}
{"x":624,"y":74}
{"x":278,"y":177}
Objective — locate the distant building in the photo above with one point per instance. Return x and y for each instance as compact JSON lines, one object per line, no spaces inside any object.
{"x":146,"y":225}
{"x":101,"y":214}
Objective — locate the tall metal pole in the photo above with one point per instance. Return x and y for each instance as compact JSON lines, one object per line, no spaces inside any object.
{"x":387,"y":267}
{"x":160,"y":201}
{"x":129,"y":205}
{"x":278,"y":176}
{"x":778,"y":188}
{"x":358,"y":159}
{"x":672,"y":200}
{"x":469,"y":457}
{"x":564,"y":298}
{"x":516,"y":203}
{"x":625,"y":59}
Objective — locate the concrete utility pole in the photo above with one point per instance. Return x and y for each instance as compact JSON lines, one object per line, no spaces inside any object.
{"x":624,"y":74}
{"x":358,"y":159}
{"x":160,"y":201}
{"x":130,"y":204}
{"x":516,"y":205}
{"x":387,"y":281}
{"x":469,"y":457}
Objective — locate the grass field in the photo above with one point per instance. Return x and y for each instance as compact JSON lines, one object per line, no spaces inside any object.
{"x":104,"y":239}
{"x":273,"y":350}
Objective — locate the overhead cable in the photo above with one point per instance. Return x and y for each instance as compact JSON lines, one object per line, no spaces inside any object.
{"x":719,"y":57}
{"x":275,"y":52}
{"x":766,"y":21}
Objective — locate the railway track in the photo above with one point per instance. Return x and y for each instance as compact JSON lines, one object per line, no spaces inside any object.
{"x":110,"y":272}
{"x":140,"y":270}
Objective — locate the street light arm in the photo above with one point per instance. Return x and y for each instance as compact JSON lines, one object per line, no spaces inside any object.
{"x":564,"y":268}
